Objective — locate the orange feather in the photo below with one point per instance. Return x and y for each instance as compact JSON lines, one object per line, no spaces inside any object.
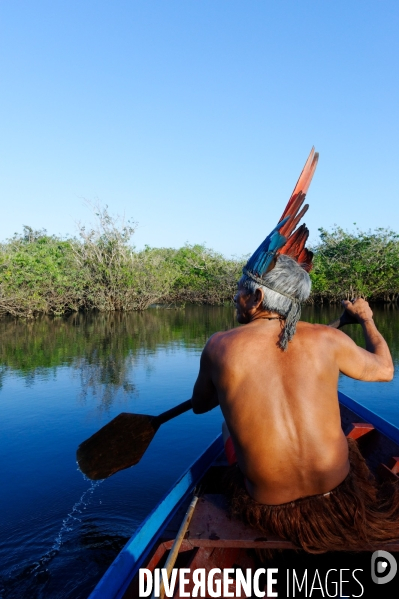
{"x":296,"y":240}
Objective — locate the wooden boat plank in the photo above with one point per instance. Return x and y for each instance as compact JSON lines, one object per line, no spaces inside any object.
{"x":212,"y":526}
{"x":376,"y":448}
{"x":360,"y":429}
{"x":393,"y":465}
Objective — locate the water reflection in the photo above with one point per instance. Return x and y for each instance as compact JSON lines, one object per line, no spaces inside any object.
{"x":103,"y":347}
{"x":62,"y":380}
{"x":38,"y":346}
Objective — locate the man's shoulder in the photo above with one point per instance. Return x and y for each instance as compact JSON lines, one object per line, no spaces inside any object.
{"x":322,"y":331}
{"x":219,"y":339}
{"x":315,"y":326}
{"x":221,"y":336}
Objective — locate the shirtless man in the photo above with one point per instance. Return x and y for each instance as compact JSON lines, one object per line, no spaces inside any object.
{"x":278,"y":395}
{"x":281,"y":408}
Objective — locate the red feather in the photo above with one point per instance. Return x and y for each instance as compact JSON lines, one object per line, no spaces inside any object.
{"x":296,"y":240}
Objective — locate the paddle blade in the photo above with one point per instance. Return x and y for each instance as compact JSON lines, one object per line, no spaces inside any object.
{"x":119,"y":444}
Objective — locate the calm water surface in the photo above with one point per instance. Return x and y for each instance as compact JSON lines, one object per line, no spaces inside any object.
{"x":63,"y":379}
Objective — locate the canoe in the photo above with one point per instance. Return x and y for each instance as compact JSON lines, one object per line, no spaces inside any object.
{"x":214,"y":539}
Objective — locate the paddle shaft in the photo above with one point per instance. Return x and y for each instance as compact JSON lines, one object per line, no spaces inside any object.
{"x":335,"y":324}
{"x":173,"y":412}
{"x":341,"y":321}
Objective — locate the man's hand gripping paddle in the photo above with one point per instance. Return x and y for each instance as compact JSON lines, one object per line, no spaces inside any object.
{"x":344,"y":319}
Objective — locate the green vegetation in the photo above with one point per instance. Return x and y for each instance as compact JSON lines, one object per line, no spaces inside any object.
{"x":39,"y":274}
{"x":101,"y":270}
{"x":356,"y":264}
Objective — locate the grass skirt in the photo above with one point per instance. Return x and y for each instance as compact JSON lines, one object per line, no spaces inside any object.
{"x":355,"y":516}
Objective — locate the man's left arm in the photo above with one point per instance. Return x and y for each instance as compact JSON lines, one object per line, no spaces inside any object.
{"x":205,"y":395}
{"x":371,"y":364}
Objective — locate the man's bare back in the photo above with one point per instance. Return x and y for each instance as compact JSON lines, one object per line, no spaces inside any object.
{"x":281,"y":408}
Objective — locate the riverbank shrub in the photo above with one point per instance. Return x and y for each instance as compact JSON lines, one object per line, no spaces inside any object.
{"x":116,"y":276}
{"x":203,"y":276}
{"x":39,"y":274}
{"x":364,"y":264}
{"x":101,"y":270}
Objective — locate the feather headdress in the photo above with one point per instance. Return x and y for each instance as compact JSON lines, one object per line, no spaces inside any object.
{"x":286,"y":239}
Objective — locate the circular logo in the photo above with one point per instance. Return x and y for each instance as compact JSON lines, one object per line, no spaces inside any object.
{"x":383,"y":567}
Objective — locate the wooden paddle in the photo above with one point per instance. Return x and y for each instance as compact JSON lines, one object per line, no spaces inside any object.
{"x":344,"y":319}
{"x":122,"y":442}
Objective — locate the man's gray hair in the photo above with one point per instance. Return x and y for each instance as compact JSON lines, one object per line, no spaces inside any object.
{"x":285,"y":287}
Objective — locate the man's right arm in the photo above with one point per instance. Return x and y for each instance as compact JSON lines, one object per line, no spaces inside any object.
{"x":371,"y":364}
{"x":205,"y":395}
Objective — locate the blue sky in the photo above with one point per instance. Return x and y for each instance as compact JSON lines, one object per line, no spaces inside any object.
{"x":195,"y":117}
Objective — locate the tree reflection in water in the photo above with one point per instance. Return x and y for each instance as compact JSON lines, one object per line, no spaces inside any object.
{"x":103,"y":347}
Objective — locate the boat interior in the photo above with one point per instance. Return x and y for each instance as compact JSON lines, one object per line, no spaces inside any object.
{"x":214,"y":539}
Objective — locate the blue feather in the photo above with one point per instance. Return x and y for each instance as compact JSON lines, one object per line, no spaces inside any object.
{"x":261,"y":259}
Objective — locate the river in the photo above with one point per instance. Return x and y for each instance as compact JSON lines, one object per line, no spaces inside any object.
{"x":60,"y":381}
